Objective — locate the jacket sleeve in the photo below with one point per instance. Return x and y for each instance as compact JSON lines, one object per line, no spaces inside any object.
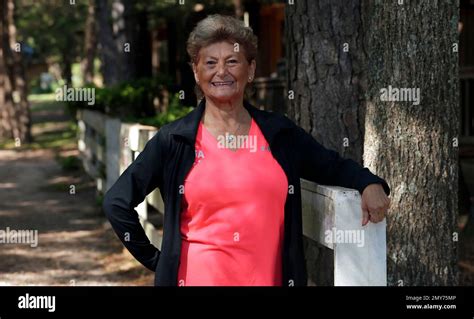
{"x":327,"y":167}
{"x":141,"y":177}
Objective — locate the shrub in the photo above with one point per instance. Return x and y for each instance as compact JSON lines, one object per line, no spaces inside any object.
{"x":175,"y":111}
{"x":131,"y":98}
{"x":70,"y":163}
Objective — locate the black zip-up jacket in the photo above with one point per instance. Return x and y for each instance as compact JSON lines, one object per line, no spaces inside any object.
{"x":168,"y":157}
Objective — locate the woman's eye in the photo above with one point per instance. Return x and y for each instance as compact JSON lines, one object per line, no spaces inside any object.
{"x":233,"y":61}
{"x":210,"y":62}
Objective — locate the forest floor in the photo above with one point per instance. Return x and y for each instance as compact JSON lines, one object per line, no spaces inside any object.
{"x":43,"y":188}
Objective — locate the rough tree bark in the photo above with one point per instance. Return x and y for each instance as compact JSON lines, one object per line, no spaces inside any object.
{"x":125,"y":43}
{"x":410,"y":45}
{"x":337,"y":94}
{"x":15,"y":112}
{"x":136,"y":30}
{"x":324,"y":69}
{"x":8,"y":125}
{"x":90,"y":43}
{"x":106,"y":44}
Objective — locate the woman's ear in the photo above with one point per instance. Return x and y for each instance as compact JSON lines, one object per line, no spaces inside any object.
{"x":252,"y":67}
{"x":193,"y":65}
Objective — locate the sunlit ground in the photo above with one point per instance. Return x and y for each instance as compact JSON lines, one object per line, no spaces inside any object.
{"x":76,"y":246}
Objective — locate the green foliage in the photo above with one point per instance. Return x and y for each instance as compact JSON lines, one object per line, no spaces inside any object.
{"x":53,"y":30}
{"x":132,"y":101}
{"x":179,"y":13}
{"x":70,"y":163}
{"x":174,"y":112}
{"x":37,"y":89}
{"x":128,"y":99}
{"x":99,"y":199}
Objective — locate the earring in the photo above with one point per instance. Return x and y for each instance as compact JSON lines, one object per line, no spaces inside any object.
{"x":250,"y":79}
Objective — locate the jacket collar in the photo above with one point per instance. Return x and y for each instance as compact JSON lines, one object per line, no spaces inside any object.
{"x":269,"y":123}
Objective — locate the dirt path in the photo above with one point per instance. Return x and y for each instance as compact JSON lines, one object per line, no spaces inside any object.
{"x":76,"y":246}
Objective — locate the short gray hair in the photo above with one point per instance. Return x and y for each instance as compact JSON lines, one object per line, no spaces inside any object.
{"x":217,"y":28}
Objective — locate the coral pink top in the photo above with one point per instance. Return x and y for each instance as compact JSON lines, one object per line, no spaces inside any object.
{"x":233,"y":214}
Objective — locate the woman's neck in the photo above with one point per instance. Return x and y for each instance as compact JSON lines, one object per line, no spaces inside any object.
{"x":227,"y":114}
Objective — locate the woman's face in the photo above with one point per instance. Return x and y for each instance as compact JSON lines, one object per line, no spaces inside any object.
{"x":222,"y":73}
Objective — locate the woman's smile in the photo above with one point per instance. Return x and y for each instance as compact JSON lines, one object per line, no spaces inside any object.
{"x":222,"y":83}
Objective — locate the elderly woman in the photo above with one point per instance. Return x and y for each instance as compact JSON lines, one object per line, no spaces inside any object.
{"x":230,"y":176}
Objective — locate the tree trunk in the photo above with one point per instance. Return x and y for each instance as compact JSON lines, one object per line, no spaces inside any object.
{"x":137,"y":34}
{"x":8,"y":124}
{"x":90,"y":44}
{"x":342,"y":54}
{"x":6,"y":105}
{"x":107,"y":50}
{"x":324,"y":70}
{"x":19,"y":81}
{"x":67,"y":67}
{"x":126,"y":44}
{"x":324,"y":66}
{"x":123,"y":44}
{"x":15,"y":114}
{"x":238,"y":9}
{"x":413,"y":146}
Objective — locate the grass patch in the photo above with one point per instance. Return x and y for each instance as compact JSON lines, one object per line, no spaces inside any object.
{"x":61,"y":139}
{"x":99,"y":199}
{"x":69,"y":163}
{"x":46,"y":106}
{"x":38,"y":98}
{"x":7,"y":145}
{"x":57,"y":187}
{"x":66,"y":187}
{"x":45,"y":102}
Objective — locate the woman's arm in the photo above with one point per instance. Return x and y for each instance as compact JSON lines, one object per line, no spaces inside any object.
{"x":324,"y":166}
{"x":136,"y":182}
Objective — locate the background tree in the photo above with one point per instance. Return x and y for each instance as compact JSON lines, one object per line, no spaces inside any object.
{"x":414,"y":146}
{"x":90,"y":43}
{"x":54,"y":32}
{"x":325,"y":63}
{"x":342,"y":54}
{"x":107,"y":51}
{"x":14,"y":108}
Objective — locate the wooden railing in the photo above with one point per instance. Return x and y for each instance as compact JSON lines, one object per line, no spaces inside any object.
{"x":332,"y":216}
{"x":107,"y":147}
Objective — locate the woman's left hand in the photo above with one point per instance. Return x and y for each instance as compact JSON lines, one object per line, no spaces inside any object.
{"x":375,"y":204}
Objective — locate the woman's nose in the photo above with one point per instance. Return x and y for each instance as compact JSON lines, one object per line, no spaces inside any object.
{"x":221,"y":68}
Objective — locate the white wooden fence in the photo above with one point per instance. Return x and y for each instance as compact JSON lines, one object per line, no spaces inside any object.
{"x":331,"y":215}
{"x":107,"y":147}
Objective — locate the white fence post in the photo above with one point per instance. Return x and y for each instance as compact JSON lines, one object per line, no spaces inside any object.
{"x":332,"y":216}
{"x":91,"y":145}
{"x":123,"y":143}
{"x":113,"y":147}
